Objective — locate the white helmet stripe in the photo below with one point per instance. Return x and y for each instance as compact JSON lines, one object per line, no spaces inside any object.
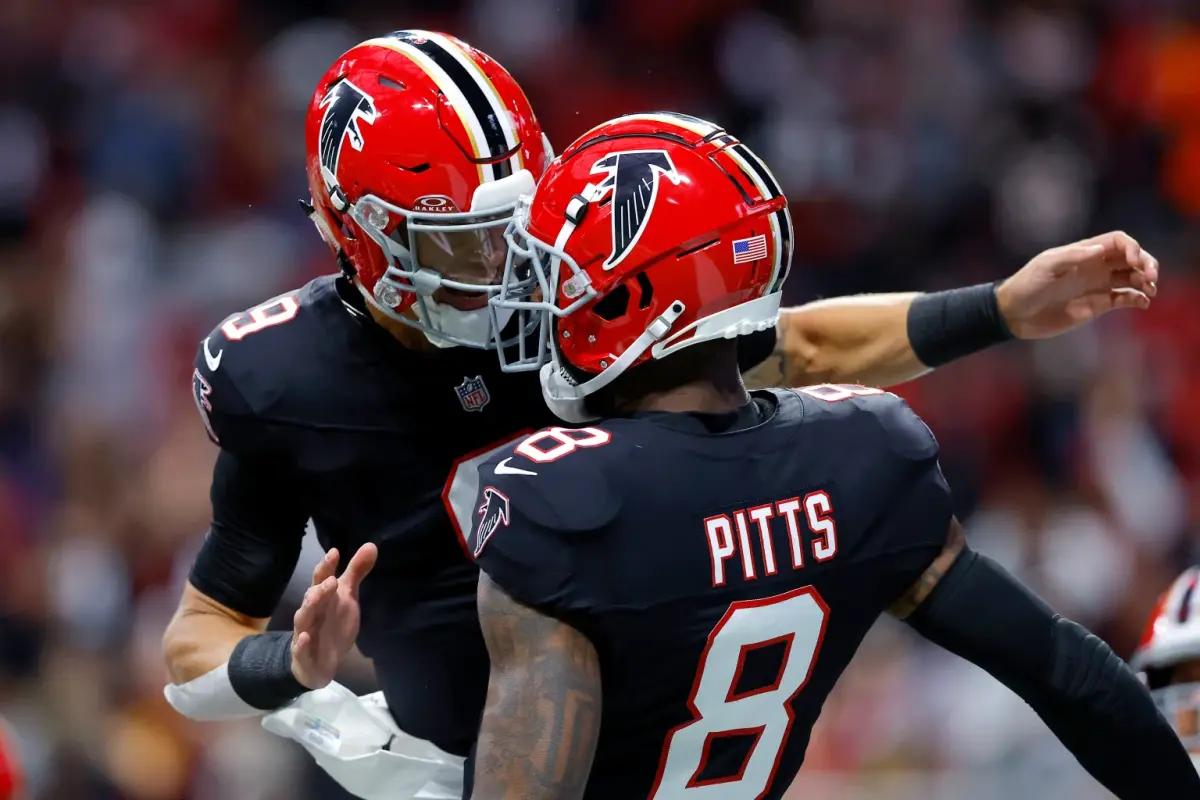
{"x":471,"y":87}
{"x":489,"y":91}
{"x":469,"y":121}
{"x":778,"y":237}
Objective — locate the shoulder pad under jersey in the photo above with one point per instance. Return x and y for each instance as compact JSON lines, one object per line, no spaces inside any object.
{"x":884,"y":454}
{"x":553,"y":480}
{"x":896,"y":427}
{"x":250,"y":361}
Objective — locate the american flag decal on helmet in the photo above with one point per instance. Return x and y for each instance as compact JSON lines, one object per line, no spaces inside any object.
{"x":750,"y":249}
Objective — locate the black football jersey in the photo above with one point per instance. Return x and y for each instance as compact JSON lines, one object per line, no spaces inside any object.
{"x":725,"y":578}
{"x":358,"y":433}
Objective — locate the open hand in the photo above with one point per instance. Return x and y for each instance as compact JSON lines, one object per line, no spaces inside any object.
{"x":1064,"y":287}
{"x":326,"y":624}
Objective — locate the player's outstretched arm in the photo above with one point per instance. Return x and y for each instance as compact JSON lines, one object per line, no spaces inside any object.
{"x":542,"y":717}
{"x":1088,"y":696}
{"x":885,"y":339}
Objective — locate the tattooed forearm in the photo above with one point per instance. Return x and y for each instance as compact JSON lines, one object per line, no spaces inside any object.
{"x":919,"y":591}
{"x":542,"y":717}
{"x":861,"y":339}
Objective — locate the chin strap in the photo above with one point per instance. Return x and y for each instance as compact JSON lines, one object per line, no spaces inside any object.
{"x":566,"y":398}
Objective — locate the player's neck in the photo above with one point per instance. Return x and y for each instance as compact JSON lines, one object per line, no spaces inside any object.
{"x":698,"y":397}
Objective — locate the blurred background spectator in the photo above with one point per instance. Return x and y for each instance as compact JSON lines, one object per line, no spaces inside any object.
{"x":150,"y":160}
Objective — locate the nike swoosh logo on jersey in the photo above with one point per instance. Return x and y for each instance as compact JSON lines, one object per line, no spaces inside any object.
{"x":504,"y":469}
{"x":214,"y":362}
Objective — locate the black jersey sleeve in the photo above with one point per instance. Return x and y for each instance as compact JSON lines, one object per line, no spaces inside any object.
{"x":254,"y":540}
{"x":1086,"y":694}
{"x":258,"y":510}
{"x":534,"y":524}
{"x":227,"y":416}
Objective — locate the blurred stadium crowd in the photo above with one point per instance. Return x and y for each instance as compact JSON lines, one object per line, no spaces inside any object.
{"x":150,"y":163}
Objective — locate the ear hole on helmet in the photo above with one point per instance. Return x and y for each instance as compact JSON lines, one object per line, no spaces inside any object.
{"x":391,"y":83}
{"x":647,"y":290}
{"x":613,"y":305}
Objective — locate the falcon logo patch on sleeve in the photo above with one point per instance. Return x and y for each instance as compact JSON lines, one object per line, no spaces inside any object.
{"x":633,"y":178}
{"x":346,"y":106}
{"x":493,"y":515}
{"x":201,"y":392}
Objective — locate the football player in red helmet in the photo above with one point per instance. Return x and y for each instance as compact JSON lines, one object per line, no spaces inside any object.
{"x":1168,"y":658}
{"x":417,"y":218}
{"x":347,"y":401}
{"x":713,"y":557}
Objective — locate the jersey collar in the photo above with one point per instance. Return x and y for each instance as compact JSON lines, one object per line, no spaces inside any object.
{"x":760,"y":409}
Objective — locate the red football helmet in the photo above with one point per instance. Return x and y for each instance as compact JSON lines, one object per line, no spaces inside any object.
{"x":418,"y":147}
{"x":1170,"y":646}
{"x":672,"y":233}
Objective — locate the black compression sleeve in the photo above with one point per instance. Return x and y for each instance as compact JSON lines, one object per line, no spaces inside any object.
{"x":943,"y":326}
{"x":1077,"y":685}
{"x":254,"y":541}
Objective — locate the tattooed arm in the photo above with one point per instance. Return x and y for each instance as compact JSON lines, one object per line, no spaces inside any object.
{"x":873,"y":339}
{"x":861,"y":339}
{"x":542,"y":717}
{"x":919,"y":592}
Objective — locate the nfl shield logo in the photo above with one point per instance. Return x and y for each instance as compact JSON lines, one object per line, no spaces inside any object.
{"x":473,"y":394}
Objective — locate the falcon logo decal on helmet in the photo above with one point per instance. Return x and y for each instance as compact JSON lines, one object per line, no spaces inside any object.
{"x":633,"y":177}
{"x":345,"y":106}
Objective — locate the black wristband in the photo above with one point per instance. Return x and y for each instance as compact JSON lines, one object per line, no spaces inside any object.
{"x":260,"y":670}
{"x":943,"y":326}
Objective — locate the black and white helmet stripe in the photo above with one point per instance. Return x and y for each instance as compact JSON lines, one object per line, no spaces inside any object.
{"x":781,"y":223}
{"x":470,"y":93}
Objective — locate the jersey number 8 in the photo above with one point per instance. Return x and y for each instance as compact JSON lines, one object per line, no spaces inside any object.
{"x":563,"y":441}
{"x":795,"y":620}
